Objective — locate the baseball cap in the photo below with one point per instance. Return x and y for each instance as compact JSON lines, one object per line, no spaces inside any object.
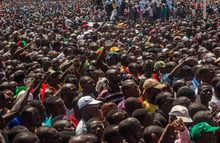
{"x":87,"y":100}
{"x":181,"y":112}
{"x":149,"y":83}
{"x":200,"y":129}
{"x":159,"y":64}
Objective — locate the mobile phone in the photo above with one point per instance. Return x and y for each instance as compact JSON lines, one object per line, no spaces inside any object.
{"x":108,"y":43}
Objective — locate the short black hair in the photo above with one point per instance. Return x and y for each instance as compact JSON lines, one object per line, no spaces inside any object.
{"x":196,"y":107}
{"x":152,"y":129}
{"x":110,"y":132}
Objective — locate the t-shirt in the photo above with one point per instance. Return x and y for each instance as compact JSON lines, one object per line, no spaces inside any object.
{"x":81,"y":127}
{"x":109,"y":96}
{"x":151,"y":108}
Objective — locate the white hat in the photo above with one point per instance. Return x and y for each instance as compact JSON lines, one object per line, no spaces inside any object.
{"x":87,"y":100}
{"x":181,"y":112}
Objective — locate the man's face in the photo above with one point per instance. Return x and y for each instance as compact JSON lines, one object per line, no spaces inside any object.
{"x":133,"y":90}
{"x":206,"y":94}
{"x":96,"y":128}
{"x":91,"y":110}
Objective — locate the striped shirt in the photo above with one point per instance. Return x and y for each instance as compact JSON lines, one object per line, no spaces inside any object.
{"x":107,"y":96}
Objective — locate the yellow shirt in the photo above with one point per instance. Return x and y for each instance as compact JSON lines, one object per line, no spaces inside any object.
{"x":152,"y":108}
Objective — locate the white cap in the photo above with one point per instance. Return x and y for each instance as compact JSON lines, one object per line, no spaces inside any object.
{"x":87,"y":100}
{"x":181,"y":112}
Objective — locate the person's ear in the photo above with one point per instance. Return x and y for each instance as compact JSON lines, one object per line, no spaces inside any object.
{"x":154,"y":138}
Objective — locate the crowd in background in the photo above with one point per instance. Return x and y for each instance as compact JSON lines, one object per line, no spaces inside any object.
{"x":109,"y":71}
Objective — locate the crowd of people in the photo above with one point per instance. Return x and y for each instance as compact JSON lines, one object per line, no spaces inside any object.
{"x":109,"y":72}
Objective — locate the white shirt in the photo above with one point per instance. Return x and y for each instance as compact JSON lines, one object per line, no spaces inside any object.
{"x":118,"y":3}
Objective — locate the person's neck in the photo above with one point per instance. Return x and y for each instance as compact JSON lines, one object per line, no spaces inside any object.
{"x":131,"y":140}
{"x":206,"y":104}
{"x":31,"y":128}
{"x":114,"y":86}
{"x":68,"y":104}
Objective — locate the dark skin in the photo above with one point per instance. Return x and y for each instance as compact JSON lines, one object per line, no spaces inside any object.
{"x":32,"y":120}
{"x":131,"y":89}
{"x":6,"y":118}
{"x":96,"y":128}
{"x":84,"y":138}
{"x":114,"y":78}
{"x":68,"y":92}
{"x":206,"y":95}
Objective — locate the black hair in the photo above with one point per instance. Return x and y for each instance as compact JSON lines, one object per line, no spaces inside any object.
{"x":186,"y":91}
{"x":162,"y":97}
{"x":152,"y":129}
{"x":131,"y":104}
{"x":110,"y":132}
{"x":196,"y":107}
{"x":15,"y":130}
{"x":65,"y":136}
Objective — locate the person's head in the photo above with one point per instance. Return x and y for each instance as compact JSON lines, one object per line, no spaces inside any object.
{"x":186,"y":91}
{"x":143,"y":116}
{"x":71,"y":79}
{"x":63,"y":125}
{"x":67,"y":93}
{"x":152,"y":133}
{"x":130,"y":89}
{"x":160,"y":68}
{"x":30,"y":117}
{"x":84,"y":138}
{"x":47,"y":134}
{"x":151,"y":88}
{"x":133,"y":68}
{"x":26,"y":137}
{"x":203,"y":133}
{"x":96,"y":127}
{"x":112,"y":58}
{"x":87,"y":84}
{"x":178,"y":84}
{"x":112,"y":134}
{"x":148,"y":67}
{"x":178,"y":112}
{"x":205,"y":93}
{"x":64,"y":136}
{"x":40,"y":107}
{"x":184,"y":101}
{"x":203,"y":116}
{"x":115,"y":116}
{"x":54,"y":106}
{"x":113,"y":75}
{"x":15,"y":130}
{"x":131,"y":129}
{"x":206,"y":73}
{"x":164,"y":100}
{"x":131,"y":104}
{"x":89,"y":107}
{"x":196,"y":107}
{"x":106,"y":107}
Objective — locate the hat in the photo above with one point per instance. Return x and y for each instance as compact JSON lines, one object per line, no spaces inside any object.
{"x":159,"y":64}
{"x":115,"y":49}
{"x":181,"y":112}
{"x":199,"y":129}
{"x":153,"y":83}
{"x":87,"y":100}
